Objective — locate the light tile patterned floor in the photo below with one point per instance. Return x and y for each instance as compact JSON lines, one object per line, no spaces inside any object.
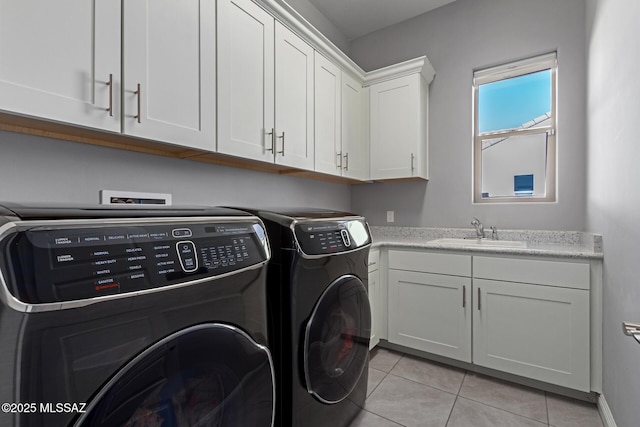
{"x":413,"y":392}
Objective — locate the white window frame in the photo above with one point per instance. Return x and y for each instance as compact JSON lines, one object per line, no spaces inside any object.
{"x":503,"y":72}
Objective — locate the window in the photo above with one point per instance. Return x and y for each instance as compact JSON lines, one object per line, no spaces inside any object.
{"x":515,"y":132}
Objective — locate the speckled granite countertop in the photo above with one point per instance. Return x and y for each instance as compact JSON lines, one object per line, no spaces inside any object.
{"x":566,"y":244}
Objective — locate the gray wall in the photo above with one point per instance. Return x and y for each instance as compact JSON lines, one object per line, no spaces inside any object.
{"x":47,"y":170}
{"x":318,"y":20}
{"x":613,"y":201}
{"x":458,"y":38}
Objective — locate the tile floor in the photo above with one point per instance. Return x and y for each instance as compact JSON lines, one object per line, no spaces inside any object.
{"x":409,"y":391}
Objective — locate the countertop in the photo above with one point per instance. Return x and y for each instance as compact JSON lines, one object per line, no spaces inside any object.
{"x":562,"y":244}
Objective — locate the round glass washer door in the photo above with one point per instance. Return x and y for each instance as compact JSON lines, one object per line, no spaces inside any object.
{"x":209,"y":375}
{"x":336,"y":345}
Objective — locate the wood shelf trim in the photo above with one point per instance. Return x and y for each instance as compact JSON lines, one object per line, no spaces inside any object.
{"x":65,"y":132}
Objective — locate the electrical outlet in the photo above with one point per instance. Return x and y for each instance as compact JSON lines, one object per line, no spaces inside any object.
{"x":390,"y":215}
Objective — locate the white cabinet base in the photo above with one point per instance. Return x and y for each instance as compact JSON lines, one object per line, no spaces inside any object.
{"x":540,"y":332}
{"x":430,"y":312}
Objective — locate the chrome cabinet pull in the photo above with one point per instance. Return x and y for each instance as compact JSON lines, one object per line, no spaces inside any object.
{"x":110,"y":84}
{"x":138,"y":92}
{"x":273,"y":140}
{"x":339,"y":160}
{"x":346,"y":162}
{"x":282,"y":152}
{"x":632,"y":330}
{"x":478,"y":299}
{"x":412,"y":167}
{"x":464,"y":296}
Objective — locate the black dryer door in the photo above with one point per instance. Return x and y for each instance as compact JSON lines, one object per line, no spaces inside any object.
{"x":209,"y":375}
{"x":336,"y":346}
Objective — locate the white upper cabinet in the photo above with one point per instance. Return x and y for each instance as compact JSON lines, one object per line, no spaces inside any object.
{"x":294,"y":100}
{"x":328,"y":151}
{"x":265,"y":87}
{"x":340,"y":148}
{"x":57,"y":59}
{"x":355,"y":150}
{"x":245,"y":80}
{"x":62,"y":61}
{"x":169,"y":71}
{"x":398,"y":120}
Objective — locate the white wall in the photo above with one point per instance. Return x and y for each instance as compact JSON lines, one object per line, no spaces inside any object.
{"x":458,"y":38}
{"x":613,"y":201}
{"x":35,"y":169}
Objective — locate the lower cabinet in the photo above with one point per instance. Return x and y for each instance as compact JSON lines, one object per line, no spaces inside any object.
{"x":527,"y":317}
{"x":431,"y":312}
{"x":534,"y":331}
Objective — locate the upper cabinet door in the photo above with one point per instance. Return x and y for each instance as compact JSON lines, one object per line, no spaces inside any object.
{"x":328,"y":151}
{"x":397,"y":128}
{"x":294,"y":100}
{"x":245,"y":80}
{"x":355,"y":150}
{"x":169,"y":71}
{"x":60,"y":60}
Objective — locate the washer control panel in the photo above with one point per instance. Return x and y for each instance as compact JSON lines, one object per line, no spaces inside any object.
{"x":330,"y":237}
{"x":55,"y":264}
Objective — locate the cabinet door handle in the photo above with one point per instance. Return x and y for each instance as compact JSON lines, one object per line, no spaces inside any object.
{"x":346,"y":162}
{"x":110,"y":84}
{"x":139,"y":93}
{"x":339,"y":160}
{"x":273,"y":140}
{"x":478,"y":299}
{"x":282,"y":152}
{"x":464,"y":296}
{"x":632,"y":330}
{"x":412,"y":167}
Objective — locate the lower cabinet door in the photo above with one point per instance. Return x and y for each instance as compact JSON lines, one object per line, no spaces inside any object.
{"x":539,"y":332}
{"x":431,"y":312}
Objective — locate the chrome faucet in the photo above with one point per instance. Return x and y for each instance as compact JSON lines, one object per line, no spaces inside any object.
{"x":494,"y":232}
{"x":479,"y":228}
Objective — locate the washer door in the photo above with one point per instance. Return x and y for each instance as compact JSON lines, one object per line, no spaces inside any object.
{"x":336,"y":345}
{"x":211,"y":375}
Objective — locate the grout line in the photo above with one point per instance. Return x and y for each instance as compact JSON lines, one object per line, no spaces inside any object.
{"x":504,"y":410}
{"x":397,"y":361}
{"x":464,"y":377}
{"x":451,"y":411}
{"x":385,"y":418}
{"x":377,"y":385}
{"x":546,"y":404}
{"x":423,"y":384}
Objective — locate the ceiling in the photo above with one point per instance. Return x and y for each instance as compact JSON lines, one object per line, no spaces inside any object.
{"x":355,"y":18}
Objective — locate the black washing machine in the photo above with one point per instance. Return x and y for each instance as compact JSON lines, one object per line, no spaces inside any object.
{"x":320,"y":318}
{"x":117,"y":316}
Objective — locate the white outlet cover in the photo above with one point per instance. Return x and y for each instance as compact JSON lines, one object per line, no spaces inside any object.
{"x":390,"y":216}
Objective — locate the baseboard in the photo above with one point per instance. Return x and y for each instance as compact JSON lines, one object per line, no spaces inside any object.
{"x":605,"y":412}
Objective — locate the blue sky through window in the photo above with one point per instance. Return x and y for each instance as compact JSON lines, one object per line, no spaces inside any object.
{"x":509,"y":103}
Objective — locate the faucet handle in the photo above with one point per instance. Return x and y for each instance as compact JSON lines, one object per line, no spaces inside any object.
{"x":494,"y":232}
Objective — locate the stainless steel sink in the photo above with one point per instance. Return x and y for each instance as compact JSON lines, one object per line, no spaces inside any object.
{"x":478,"y":243}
